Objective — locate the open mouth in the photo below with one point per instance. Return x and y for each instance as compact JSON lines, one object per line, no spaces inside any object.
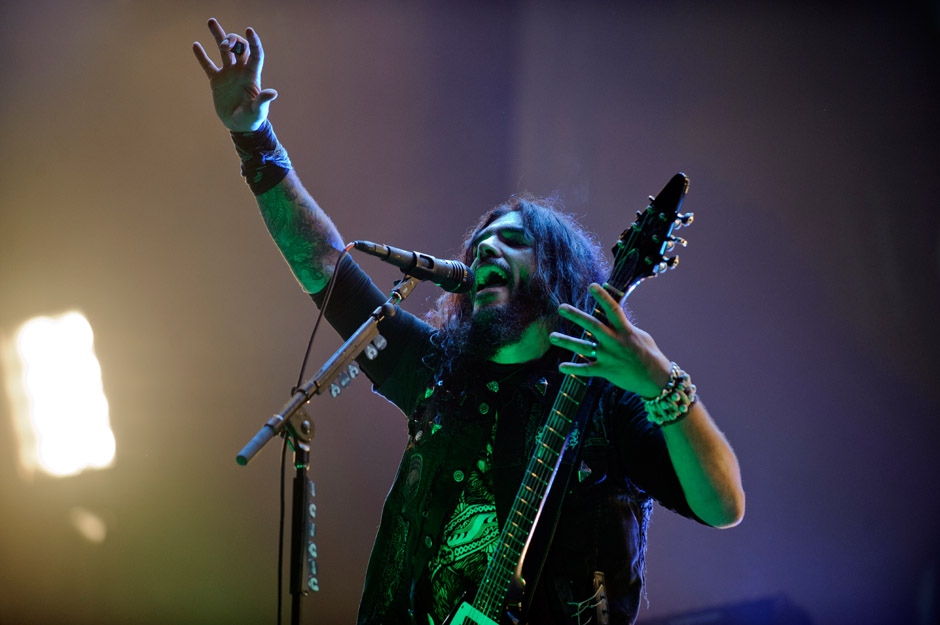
{"x":491,"y":277}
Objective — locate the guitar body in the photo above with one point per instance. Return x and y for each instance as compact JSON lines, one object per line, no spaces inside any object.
{"x":466,"y":614}
{"x":638,"y":254}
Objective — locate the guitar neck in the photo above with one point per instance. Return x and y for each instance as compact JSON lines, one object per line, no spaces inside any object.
{"x":539,"y":475}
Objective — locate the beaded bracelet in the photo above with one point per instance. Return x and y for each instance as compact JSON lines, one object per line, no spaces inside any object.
{"x":264,"y":159}
{"x":674,"y":402}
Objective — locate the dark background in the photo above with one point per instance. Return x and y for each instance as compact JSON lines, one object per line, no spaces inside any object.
{"x":805,"y":306}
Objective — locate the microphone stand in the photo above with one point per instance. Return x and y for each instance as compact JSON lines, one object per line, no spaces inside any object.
{"x":293,"y":422}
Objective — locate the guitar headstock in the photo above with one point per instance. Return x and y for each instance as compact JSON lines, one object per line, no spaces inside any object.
{"x":640,"y":253}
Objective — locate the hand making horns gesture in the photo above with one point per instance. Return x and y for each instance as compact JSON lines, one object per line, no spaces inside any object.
{"x":239,"y":101}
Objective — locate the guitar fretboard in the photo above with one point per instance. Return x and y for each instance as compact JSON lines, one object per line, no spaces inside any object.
{"x":541,"y":470}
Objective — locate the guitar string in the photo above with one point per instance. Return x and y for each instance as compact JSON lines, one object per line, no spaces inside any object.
{"x":501,"y":569}
{"x":570,"y":396}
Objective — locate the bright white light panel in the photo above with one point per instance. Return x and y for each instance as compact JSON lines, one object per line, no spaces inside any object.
{"x":59,"y":407}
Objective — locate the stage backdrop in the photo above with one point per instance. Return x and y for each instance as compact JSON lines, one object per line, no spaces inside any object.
{"x":805,"y":306}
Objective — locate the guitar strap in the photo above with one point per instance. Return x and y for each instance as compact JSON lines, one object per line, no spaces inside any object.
{"x":544,"y":534}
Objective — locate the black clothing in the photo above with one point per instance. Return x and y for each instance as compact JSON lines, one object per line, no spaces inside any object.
{"x":451,"y":427}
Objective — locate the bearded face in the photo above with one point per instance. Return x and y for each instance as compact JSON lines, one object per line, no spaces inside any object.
{"x":491,"y":328}
{"x":504,"y":301}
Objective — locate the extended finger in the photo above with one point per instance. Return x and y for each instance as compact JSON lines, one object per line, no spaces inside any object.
{"x":610,"y":306}
{"x":225,"y":42}
{"x":584,"y":369}
{"x":583,"y":320}
{"x":266,"y":96}
{"x":584,"y":347}
{"x":256,"y":58}
{"x":207,"y":65}
{"x":216,"y":29}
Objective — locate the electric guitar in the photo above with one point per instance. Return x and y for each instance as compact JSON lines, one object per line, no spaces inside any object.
{"x":638,"y":254}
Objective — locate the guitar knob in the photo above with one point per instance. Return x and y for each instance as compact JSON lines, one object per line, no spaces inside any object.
{"x":672,"y":262}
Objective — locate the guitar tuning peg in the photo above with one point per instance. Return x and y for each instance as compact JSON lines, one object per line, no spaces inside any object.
{"x":669,"y":263}
{"x":685,"y":219}
{"x":671,"y":242}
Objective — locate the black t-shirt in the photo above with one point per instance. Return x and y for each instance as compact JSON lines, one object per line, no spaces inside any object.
{"x":432,"y":519}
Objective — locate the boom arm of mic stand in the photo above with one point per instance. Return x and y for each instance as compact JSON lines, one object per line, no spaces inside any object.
{"x":337,"y":363}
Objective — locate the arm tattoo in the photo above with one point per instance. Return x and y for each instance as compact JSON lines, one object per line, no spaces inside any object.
{"x":305,"y":235}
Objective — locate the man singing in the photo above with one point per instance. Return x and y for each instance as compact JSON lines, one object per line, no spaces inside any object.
{"x":476,"y":380}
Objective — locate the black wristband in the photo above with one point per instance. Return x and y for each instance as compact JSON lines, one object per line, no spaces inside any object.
{"x":264,"y":160}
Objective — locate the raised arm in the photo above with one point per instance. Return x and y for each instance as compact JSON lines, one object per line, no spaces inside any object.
{"x":304,"y":233}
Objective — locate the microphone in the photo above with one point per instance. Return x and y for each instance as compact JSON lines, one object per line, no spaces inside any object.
{"x":450,"y":275}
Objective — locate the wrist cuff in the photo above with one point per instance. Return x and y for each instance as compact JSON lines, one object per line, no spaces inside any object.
{"x":674,"y":402}
{"x":264,"y":160}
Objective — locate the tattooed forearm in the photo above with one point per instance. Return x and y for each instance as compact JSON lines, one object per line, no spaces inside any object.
{"x":305,"y":235}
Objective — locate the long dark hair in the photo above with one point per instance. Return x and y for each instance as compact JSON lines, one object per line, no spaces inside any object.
{"x":568,"y":260}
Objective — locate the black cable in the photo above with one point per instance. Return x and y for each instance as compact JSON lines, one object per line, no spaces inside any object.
{"x":326,"y":300}
{"x":300,"y":381}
